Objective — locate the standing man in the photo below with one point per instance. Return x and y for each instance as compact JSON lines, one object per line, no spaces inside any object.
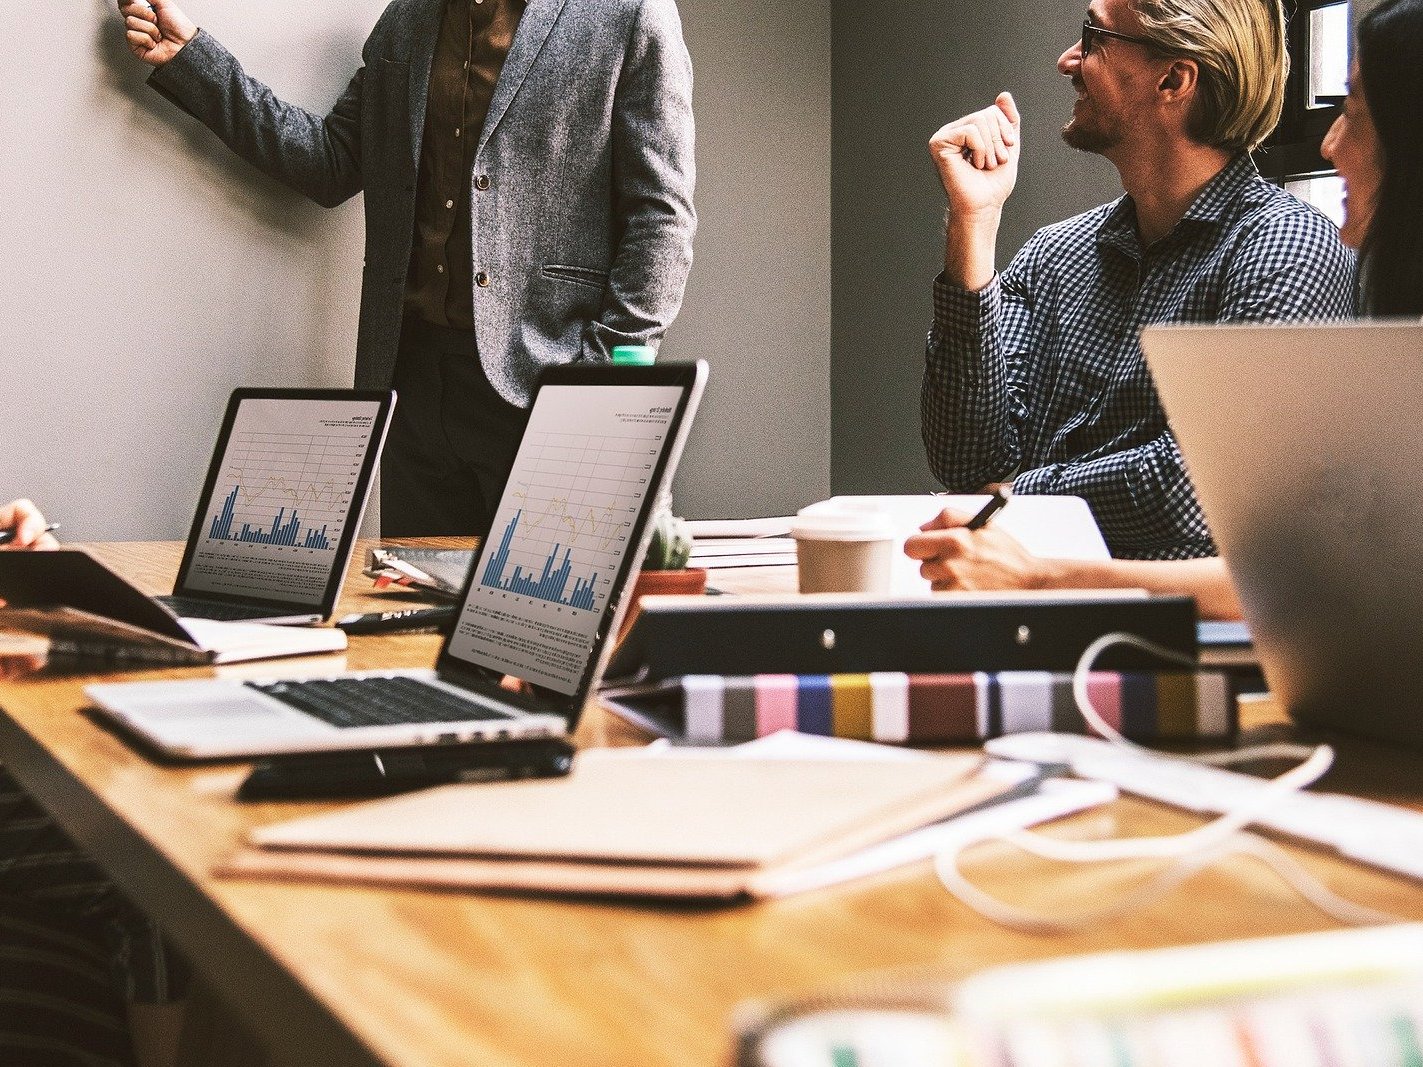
{"x":1035,"y":375}
{"x":528,"y":170}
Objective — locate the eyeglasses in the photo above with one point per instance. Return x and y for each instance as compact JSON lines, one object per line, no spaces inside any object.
{"x":1091,"y":32}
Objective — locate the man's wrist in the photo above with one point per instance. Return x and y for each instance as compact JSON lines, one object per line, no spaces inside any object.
{"x":970,"y":244}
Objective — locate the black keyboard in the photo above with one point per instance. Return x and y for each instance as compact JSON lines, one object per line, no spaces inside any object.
{"x":194,"y":608}
{"x":376,"y":701}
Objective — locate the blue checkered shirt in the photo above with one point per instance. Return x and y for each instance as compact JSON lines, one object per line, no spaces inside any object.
{"x":1038,"y":377}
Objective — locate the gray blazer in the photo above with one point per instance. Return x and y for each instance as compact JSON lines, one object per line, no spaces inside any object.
{"x":581,"y":190}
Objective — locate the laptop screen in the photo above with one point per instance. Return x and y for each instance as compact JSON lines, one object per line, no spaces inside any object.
{"x":284,"y":493}
{"x":573,"y":514}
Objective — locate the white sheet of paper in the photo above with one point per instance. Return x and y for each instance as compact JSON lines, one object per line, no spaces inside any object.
{"x":1059,"y":527}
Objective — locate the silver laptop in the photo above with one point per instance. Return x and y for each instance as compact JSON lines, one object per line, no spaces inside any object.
{"x":281,"y":505}
{"x":1305,"y":448}
{"x":538,"y":613}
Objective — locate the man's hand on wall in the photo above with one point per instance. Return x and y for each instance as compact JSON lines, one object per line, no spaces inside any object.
{"x":156,"y":29}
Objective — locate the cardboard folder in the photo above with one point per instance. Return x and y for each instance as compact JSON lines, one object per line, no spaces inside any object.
{"x":692,"y":824}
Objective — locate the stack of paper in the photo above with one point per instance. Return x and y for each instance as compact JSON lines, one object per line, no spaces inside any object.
{"x":717,"y":552}
{"x":779,"y":816}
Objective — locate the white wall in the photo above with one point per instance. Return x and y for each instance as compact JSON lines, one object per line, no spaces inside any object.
{"x":147,"y":272}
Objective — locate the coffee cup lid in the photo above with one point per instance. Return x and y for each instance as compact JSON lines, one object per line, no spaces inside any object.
{"x":842,"y":526}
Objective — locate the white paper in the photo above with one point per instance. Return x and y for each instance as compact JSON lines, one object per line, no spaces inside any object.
{"x":1055,"y":527}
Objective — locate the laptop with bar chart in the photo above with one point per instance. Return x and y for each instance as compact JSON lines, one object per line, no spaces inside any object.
{"x":281,"y":505}
{"x":538,"y":613}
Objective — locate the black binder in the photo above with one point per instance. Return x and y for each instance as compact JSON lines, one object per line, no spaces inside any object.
{"x":834,"y":634}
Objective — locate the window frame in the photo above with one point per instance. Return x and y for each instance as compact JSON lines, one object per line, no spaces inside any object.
{"x":1291,"y":152}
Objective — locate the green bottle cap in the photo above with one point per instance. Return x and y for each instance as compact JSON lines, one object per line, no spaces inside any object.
{"x":634,"y":356}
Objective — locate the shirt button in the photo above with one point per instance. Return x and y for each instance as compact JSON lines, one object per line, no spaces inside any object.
{"x":439,"y":268}
{"x":481,"y":182}
{"x":457,"y":131}
{"x":481,"y":279}
{"x":449,"y":203}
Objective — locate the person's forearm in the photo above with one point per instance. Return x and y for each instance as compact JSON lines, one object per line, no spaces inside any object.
{"x":970,"y":245}
{"x":653,"y":144}
{"x":1205,"y":579}
{"x":319,"y":157}
{"x":968,"y":408}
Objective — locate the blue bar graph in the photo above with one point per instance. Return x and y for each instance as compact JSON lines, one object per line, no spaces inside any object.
{"x":549,"y":585}
{"x":285,"y":530}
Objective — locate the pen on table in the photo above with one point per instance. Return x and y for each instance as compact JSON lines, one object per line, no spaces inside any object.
{"x":376,"y":622}
{"x":995,"y":504}
{"x":6,"y":536}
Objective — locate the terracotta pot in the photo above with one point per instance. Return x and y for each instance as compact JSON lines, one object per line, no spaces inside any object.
{"x":692,"y":580}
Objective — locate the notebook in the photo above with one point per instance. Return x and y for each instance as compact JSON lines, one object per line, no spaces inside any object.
{"x":281,"y":505}
{"x":687,"y":823}
{"x":537,"y":615}
{"x":1303,"y":446}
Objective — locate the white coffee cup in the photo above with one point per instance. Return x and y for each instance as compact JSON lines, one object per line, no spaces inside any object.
{"x":844,"y":552}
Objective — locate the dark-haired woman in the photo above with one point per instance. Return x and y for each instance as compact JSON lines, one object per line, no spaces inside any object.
{"x":1376,"y":145}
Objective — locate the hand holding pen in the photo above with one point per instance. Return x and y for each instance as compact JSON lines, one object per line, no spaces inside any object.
{"x":23,"y":527}
{"x":957,"y":550}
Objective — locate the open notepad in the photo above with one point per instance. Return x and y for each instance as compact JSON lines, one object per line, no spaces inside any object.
{"x":692,"y":824}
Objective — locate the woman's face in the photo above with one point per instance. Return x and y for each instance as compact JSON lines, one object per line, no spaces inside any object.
{"x":1352,"y":147}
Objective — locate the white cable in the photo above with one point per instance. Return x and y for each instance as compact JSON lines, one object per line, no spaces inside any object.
{"x":1166,"y":846}
{"x":1190,"y":851}
{"x":946,"y":866}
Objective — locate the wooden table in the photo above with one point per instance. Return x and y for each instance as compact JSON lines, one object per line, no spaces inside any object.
{"x":354,"y":976}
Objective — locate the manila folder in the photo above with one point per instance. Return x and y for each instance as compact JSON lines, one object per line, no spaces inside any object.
{"x":699,"y":824}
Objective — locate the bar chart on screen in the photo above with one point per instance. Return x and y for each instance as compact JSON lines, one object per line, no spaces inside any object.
{"x":284,"y":493}
{"x":564,"y":528}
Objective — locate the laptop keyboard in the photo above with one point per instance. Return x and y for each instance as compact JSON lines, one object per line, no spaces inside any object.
{"x":193,"y":608}
{"x":376,"y":701}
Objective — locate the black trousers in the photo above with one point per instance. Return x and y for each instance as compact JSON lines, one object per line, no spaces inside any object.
{"x":451,"y":442}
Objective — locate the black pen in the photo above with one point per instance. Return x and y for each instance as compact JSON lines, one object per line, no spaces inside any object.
{"x":996,"y":503}
{"x":381,"y":622}
{"x":6,"y":536}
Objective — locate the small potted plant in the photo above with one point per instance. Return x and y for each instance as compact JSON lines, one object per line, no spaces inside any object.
{"x":664,"y":569}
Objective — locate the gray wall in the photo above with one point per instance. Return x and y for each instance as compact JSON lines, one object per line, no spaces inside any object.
{"x":147,"y":272}
{"x":758,"y":301}
{"x":902,"y":68}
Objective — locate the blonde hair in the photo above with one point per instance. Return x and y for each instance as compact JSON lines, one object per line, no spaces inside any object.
{"x":1240,"y":47}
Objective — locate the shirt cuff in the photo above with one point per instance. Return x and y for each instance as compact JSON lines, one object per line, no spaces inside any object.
{"x":190,"y":66}
{"x":961,"y":317}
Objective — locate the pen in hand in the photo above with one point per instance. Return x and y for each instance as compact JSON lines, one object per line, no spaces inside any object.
{"x":6,"y":536}
{"x":996,"y":503}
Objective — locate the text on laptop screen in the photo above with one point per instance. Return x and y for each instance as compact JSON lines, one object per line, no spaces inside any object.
{"x":564,"y":526}
{"x":274,"y":520}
